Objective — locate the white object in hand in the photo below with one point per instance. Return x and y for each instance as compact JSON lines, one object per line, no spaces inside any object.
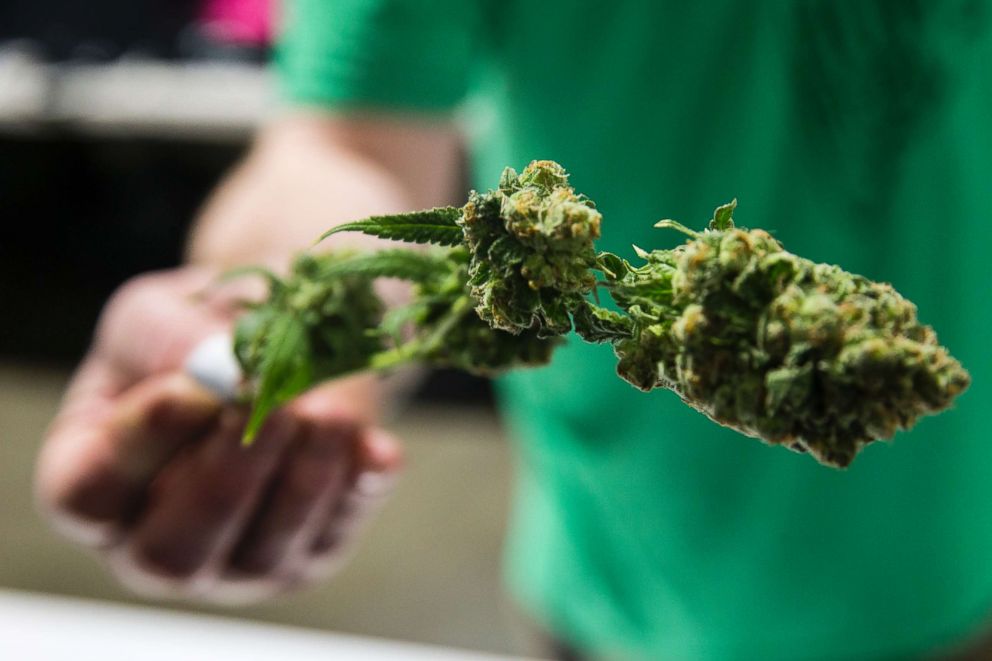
{"x":213,"y":364}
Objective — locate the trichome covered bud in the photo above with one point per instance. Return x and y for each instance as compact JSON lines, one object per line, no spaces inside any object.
{"x":531,"y":242}
{"x":779,"y":347}
{"x":448,"y":333}
{"x":775,"y":346}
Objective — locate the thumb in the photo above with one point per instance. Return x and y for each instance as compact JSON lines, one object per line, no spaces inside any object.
{"x":153,"y":321}
{"x":103,"y":449}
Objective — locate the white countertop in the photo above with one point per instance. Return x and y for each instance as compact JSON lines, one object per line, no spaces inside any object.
{"x":39,"y":627}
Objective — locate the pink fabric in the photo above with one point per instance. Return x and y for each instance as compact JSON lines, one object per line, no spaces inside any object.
{"x":239,"y":21}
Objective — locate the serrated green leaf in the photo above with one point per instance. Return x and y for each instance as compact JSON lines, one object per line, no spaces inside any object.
{"x":284,"y":370}
{"x":723,"y":216}
{"x":395,"y":263}
{"x":438,"y":226}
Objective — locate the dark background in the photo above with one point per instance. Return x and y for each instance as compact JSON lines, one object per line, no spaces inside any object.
{"x":82,"y":212}
{"x":82,"y":215}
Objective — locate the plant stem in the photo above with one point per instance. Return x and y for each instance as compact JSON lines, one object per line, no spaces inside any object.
{"x":404,"y":353}
{"x":419,"y":348}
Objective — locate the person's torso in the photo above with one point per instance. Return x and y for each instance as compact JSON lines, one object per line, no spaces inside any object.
{"x":859,"y":133}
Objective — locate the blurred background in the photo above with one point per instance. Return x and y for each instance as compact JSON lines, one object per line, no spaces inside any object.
{"x":117,"y":117}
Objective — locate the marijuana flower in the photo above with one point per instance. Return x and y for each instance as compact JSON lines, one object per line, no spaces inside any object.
{"x":775,"y":346}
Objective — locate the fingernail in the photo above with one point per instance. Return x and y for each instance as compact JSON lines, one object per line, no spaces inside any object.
{"x":374,"y":483}
{"x":381,"y":451}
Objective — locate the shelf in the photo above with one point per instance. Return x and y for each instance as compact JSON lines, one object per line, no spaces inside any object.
{"x":146,"y":98}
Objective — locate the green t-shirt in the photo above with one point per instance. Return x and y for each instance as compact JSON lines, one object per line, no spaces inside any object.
{"x":860,"y":133}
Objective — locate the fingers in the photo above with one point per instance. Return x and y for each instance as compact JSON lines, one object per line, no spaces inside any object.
{"x":302,"y":496}
{"x":99,"y":454}
{"x":199,"y":505}
{"x":236,"y":530}
{"x":314,"y":483}
{"x":371,"y":482}
{"x":331,"y":484}
{"x":153,"y":321}
{"x":156,"y":476}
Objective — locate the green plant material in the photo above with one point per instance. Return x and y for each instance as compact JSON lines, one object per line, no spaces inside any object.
{"x":775,"y":346}
{"x":438,"y":226}
{"x":310,"y":328}
{"x":467,"y":342}
{"x":531,"y":242}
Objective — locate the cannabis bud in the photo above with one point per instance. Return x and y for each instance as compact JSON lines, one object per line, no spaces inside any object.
{"x":531,"y":242}
{"x":469,"y":343}
{"x":324,"y":320}
{"x":776,"y":346}
{"x":773,"y":345}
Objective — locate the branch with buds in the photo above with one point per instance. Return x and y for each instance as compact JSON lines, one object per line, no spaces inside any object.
{"x":793,"y":352}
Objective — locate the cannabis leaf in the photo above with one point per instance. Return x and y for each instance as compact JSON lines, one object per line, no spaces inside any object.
{"x":723,"y":217}
{"x":438,"y":226}
{"x":394,"y":263}
{"x":284,"y":371}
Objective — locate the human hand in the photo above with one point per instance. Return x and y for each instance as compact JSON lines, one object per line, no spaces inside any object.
{"x":145,"y":466}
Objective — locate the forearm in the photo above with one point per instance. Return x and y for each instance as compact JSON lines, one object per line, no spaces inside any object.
{"x":309,"y":171}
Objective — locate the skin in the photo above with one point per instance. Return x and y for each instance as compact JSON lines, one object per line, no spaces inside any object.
{"x":146,"y":468}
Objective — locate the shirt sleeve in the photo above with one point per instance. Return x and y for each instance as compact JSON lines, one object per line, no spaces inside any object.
{"x":394,"y":54}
